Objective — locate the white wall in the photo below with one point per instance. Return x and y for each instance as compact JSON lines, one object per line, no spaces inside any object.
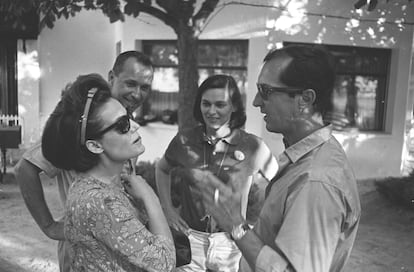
{"x":80,"y":45}
{"x":28,"y":90}
{"x":86,"y":43}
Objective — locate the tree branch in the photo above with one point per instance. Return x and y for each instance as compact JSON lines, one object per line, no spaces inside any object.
{"x":181,"y":10}
{"x":157,"y":13}
{"x":206,"y":9}
{"x":315,"y":14}
{"x":201,"y":16}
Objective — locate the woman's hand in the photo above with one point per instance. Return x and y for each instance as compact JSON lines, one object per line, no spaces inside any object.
{"x":138,"y":188}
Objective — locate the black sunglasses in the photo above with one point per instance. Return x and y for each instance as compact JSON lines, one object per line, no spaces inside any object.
{"x":265,"y":90}
{"x":122,"y":125}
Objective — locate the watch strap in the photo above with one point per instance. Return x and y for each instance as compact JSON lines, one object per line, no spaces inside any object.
{"x":239,"y":231}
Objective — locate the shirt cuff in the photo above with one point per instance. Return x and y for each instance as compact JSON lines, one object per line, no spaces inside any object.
{"x":270,"y":260}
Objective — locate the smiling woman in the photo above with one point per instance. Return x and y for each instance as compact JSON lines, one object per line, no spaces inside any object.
{"x":222,"y":147}
{"x":91,"y":134}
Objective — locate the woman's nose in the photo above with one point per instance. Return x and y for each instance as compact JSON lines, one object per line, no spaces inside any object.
{"x":134,"y":126}
{"x":212,"y":109}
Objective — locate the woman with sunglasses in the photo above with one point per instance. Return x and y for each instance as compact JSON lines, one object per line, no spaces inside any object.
{"x":106,"y":214}
{"x":220,"y":145}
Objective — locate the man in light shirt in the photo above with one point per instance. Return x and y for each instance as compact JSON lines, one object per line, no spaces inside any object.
{"x":311,"y":213}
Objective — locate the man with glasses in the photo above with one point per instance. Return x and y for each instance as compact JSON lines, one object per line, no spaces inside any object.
{"x":131,"y":79}
{"x":311,"y":213}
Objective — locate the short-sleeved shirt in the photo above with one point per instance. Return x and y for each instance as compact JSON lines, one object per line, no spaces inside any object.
{"x":64,"y":178}
{"x":312,"y":210}
{"x":108,"y":233}
{"x":234,"y":158}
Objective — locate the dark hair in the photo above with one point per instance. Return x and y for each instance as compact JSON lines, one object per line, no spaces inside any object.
{"x":311,"y":67}
{"x":124,"y":56}
{"x":237,"y":118}
{"x":61,"y":144}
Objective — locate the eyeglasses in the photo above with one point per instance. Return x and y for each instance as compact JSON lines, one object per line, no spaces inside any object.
{"x":122,"y":125}
{"x":265,"y":90}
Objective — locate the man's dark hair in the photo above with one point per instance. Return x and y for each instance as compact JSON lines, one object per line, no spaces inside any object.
{"x":237,"y":118}
{"x":61,"y":143}
{"x":139,"y":56}
{"x":311,"y":67}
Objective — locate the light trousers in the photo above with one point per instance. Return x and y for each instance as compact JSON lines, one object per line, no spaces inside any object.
{"x":212,"y":252}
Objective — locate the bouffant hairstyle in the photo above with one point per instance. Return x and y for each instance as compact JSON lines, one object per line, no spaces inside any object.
{"x":61,"y":140}
{"x":311,"y":67}
{"x":238,"y":117}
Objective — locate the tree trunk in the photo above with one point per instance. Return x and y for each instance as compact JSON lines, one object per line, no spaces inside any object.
{"x":187,"y":74}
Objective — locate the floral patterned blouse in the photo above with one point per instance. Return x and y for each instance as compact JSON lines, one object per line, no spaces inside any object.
{"x":107,"y":232}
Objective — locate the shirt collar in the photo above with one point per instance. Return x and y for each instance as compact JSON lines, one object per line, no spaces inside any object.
{"x":233,"y":138}
{"x":307,"y":144}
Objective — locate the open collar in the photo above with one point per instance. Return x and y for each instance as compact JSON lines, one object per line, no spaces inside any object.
{"x":296,"y":151}
{"x":232,"y":139}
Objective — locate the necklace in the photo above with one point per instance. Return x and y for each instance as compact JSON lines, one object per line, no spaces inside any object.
{"x":210,"y":223}
{"x":205,"y":164}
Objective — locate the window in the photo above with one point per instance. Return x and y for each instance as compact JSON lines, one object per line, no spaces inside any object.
{"x":10,"y":32}
{"x":214,"y":57}
{"x":8,"y":77}
{"x":361,"y":85}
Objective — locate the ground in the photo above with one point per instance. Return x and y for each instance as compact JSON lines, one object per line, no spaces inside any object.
{"x":385,"y":240}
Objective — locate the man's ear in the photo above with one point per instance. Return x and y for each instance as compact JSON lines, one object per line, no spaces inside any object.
{"x":94,"y":146}
{"x":308,"y":98}
{"x":111,"y":77}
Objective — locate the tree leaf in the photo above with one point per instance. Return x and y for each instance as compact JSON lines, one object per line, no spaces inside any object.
{"x":360,"y":4}
{"x":129,"y":9}
{"x":136,"y":13}
{"x":372,"y":5}
{"x":116,"y":15}
{"x":76,"y":8}
{"x":89,"y":4}
{"x":49,"y":22}
{"x":65,"y":13}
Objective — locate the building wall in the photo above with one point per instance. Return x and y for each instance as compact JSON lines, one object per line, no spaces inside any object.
{"x":80,"y":45}
{"x":66,"y":51}
{"x":28,"y":90}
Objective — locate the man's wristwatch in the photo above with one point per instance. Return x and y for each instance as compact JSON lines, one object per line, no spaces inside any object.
{"x":239,"y":231}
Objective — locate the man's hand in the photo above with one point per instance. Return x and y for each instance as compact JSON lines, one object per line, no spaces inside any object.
{"x":175,"y":220}
{"x":55,"y":230}
{"x":222,"y":201}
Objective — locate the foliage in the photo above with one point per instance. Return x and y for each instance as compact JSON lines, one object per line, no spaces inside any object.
{"x":372,"y":4}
